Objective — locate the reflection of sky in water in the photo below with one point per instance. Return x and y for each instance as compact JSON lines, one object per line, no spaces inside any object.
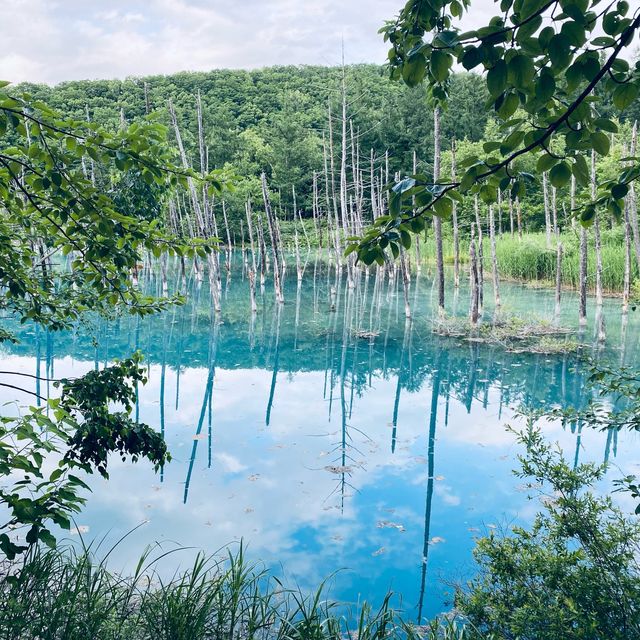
{"x":361,"y":460}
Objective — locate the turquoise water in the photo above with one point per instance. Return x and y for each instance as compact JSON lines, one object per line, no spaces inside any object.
{"x":346,"y":439}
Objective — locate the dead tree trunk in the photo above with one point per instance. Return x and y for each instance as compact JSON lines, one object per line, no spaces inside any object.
{"x":547,"y":215}
{"x":558,"y":280}
{"x":474,"y":308}
{"x":494,"y":260}
{"x":633,"y":204}
{"x":582,"y":277}
{"x":273,"y":234}
{"x":252,"y":267}
{"x":454,"y":219}
{"x":626,"y":285}
{"x":437,"y":223}
{"x":480,"y":257}
{"x":596,"y":233}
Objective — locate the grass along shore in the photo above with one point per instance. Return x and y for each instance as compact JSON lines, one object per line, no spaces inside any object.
{"x":525,"y":259}
{"x":70,"y":595}
{"x":528,"y":259}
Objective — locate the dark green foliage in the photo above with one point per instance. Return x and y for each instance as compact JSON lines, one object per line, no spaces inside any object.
{"x":573,"y":575}
{"x":272,"y":119}
{"x":56,"y":184}
{"x":82,"y":431}
{"x":550,"y":87}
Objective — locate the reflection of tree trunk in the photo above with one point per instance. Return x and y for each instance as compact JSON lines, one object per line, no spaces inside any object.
{"x":38,"y":365}
{"x":400,"y":380}
{"x":163,"y":373}
{"x":473,"y":375}
{"x":213,"y":345}
{"x":576,"y":458}
{"x":433,"y":417}
{"x":276,"y":363}
{"x":346,"y":329}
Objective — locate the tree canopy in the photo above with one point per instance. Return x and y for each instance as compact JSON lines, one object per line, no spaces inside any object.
{"x":551,"y":69}
{"x":69,"y":246}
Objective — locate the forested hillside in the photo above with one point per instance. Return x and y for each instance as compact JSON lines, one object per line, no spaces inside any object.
{"x":274,"y":119}
{"x":277,"y":120}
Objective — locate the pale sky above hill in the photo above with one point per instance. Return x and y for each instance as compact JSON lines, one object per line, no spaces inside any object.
{"x":55,"y":40}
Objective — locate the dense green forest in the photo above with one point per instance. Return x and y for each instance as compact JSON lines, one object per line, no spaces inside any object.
{"x":276,"y":120}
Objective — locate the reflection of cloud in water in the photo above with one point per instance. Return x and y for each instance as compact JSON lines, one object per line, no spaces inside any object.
{"x":278,"y":487}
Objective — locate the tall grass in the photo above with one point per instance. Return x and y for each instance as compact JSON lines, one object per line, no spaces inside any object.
{"x":68,"y":595}
{"x":528,"y":259}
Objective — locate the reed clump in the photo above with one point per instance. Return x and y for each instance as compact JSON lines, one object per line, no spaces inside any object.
{"x":69,"y":595}
{"x":528,"y":259}
{"x":511,"y":333}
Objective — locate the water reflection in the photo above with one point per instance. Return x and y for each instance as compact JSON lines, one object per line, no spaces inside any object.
{"x":330,"y":431}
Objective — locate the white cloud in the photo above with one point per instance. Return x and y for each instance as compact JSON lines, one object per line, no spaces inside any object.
{"x":46,"y":41}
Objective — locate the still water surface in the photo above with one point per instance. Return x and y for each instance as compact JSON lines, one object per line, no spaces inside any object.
{"x":330,"y":439}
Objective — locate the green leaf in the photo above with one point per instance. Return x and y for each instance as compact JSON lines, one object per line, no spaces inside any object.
{"x":559,"y":52}
{"x":473,"y":56}
{"x":600,"y":142}
{"x":619,"y":191}
{"x":624,"y":95}
{"x":509,"y":105}
{"x":443,"y":207}
{"x":606,"y":125}
{"x":414,"y":69}
{"x":560,"y":175}
{"x":521,"y":71}
{"x":440,"y":64}
{"x":580,"y":170}
{"x":545,"y":162}
{"x":546,"y":85}
{"x":497,"y":78}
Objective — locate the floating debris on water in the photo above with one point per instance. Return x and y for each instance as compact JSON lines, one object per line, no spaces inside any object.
{"x":386,"y":524}
{"x":338,"y":469}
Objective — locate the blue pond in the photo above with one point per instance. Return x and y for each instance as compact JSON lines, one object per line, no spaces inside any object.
{"x":345,"y":440}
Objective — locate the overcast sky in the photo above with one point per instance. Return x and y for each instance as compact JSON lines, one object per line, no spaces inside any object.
{"x":55,"y":40}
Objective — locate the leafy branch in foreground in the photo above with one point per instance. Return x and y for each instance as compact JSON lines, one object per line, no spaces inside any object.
{"x":59,"y":183}
{"x":81,"y":432}
{"x":573,"y":574}
{"x":549,"y":72}
{"x":55,"y":204}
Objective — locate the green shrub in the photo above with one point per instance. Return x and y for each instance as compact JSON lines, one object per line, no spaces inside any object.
{"x":574,"y":575}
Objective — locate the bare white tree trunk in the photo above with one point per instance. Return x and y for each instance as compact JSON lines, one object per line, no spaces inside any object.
{"x":633,"y":205}
{"x":273,"y":234}
{"x":582,"y":284}
{"x":474,"y":307}
{"x":596,"y":233}
{"x":437,"y":223}
{"x":252,"y":267}
{"x":417,"y":241}
{"x":547,"y":216}
{"x":626,"y":286}
{"x":494,"y":260}
{"x":558,"y":280}
{"x":480,"y":257}
{"x":454,"y":219}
